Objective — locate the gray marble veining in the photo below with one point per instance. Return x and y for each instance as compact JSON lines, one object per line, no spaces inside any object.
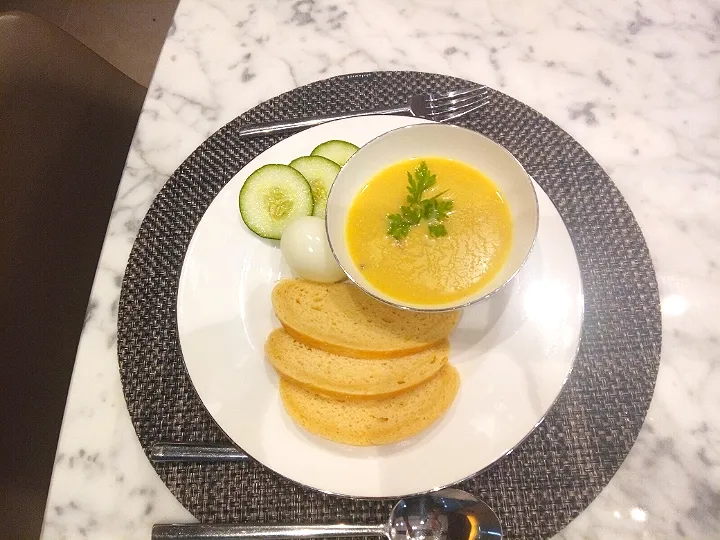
{"x":636,"y":82}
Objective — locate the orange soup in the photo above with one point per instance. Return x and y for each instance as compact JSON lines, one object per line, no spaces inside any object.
{"x":434,"y":252}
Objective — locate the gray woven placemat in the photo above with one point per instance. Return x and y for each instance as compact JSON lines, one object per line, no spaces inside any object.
{"x":559,"y":468}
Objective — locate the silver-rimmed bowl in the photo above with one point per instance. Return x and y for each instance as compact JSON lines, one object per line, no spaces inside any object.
{"x":439,"y":140}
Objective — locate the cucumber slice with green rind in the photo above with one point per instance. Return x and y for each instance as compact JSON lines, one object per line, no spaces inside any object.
{"x":320,"y":173}
{"x":272,"y":197}
{"x":337,"y":151}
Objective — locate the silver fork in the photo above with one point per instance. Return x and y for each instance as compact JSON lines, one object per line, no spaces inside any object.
{"x":436,"y":107}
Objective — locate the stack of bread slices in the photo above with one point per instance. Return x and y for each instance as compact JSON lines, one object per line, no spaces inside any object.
{"x":355,"y":370}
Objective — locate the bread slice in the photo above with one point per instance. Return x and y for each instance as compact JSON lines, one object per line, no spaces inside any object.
{"x":372,"y":421}
{"x":343,"y":376}
{"x":342,"y":319}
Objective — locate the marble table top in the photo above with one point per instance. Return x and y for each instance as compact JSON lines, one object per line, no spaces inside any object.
{"x":636,"y":82}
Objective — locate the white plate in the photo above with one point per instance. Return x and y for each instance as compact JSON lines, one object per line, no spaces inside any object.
{"x":514,"y":350}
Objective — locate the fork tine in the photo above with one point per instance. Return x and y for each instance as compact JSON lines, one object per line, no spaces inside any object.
{"x":454,"y":103}
{"x":461,"y":111}
{"x":438,"y":98}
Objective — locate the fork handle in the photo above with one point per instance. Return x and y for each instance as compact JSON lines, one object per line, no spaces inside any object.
{"x":288,"y":126}
{"x":197,"y":531}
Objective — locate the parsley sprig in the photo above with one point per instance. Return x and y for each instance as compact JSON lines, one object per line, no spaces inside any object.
{"x":433,"y":210}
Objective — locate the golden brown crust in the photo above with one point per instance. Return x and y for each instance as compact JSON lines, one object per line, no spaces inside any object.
{"x":377,"y":421}
{"x":355,"y":353}
{"x":343,"y":376}
{"x":339,"y":318}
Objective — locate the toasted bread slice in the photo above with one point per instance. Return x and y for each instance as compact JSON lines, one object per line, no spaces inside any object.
{"x":372,"y":421}
{"x":342,"y":319}
{"x":339,"y":375}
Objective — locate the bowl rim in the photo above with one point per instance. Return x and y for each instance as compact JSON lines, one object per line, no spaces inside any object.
{"x":442,"y":308}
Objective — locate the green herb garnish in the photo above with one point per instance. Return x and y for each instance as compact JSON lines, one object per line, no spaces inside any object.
{"x":433,"y":210}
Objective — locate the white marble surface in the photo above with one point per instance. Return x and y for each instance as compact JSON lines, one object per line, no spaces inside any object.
{"x":637,"y":83}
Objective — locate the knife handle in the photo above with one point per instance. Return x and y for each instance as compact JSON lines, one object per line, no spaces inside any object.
{"x":192,"y":452}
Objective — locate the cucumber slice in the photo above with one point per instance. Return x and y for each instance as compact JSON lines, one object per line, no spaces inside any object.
{"x":272,"y":197}
{"x":320,"y":173}
{"x":337,"y":151}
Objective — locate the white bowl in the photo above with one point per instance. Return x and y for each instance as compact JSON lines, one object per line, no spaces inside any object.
{"x":446,"y":141}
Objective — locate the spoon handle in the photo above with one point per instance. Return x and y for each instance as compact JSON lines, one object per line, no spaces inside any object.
{"x":187,"y":531}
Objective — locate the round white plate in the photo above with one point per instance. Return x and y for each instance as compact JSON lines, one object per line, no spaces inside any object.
{"x":514,"y":351}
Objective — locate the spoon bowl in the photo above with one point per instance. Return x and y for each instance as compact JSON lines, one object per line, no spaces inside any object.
{"x":449,"y":514}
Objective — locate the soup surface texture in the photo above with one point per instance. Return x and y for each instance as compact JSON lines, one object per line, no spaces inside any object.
{"x":423,"y":268}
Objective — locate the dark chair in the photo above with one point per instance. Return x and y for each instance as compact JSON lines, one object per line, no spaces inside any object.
{"x":66,"y":121}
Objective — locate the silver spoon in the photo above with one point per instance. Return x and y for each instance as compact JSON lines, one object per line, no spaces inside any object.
{"x":449,"y":514}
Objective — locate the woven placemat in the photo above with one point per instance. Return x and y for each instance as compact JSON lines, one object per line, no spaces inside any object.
{"x":552,"y":476}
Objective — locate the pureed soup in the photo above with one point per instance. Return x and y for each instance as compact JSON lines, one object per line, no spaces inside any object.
{"x":429,"y":231}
